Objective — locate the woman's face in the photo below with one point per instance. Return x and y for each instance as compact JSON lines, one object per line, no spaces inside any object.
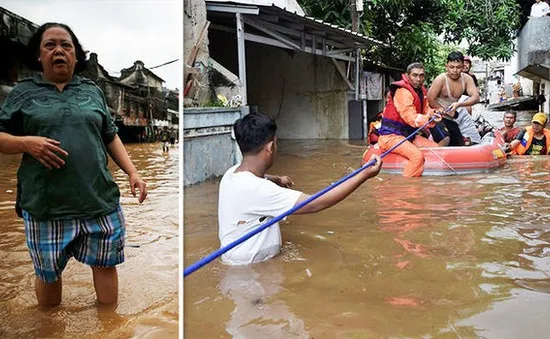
{"x":57,"y":55}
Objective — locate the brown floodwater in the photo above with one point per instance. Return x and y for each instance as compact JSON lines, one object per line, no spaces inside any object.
{"x":148,"y":279}
{"x":432,"y":257}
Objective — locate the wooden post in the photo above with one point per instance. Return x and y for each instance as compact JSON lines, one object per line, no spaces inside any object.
{"x":242,"y":57}
{"x":357,"y":72}
{"x":354,"y":17}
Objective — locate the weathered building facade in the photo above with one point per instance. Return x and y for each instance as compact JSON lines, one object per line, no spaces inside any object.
{"x":136,"y":99}
{"x":15,"y":33}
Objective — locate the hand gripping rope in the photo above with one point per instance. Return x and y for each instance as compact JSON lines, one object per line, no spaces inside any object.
{"x":207,"y":259}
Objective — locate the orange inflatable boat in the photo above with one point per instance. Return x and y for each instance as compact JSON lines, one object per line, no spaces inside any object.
{"x":449,"y":160}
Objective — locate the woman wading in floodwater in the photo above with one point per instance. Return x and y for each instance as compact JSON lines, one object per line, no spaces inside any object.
{"x":66,"y":195}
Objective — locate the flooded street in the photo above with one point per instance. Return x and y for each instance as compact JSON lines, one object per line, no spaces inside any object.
{"x":148,"y":279}
{"x":433,"y":257}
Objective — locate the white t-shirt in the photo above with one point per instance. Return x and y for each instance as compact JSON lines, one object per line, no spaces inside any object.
{"x":246,"y":201}
{"x":539,"y":9}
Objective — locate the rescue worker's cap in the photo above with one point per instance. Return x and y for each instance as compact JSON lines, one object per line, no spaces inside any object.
{"x":540,"y":118}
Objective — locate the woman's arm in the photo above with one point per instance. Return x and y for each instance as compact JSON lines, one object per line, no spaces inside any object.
{"x":118,"y":152}
{"x":45,"y":150}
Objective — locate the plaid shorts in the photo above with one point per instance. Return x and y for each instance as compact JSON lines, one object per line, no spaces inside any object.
{"x":95,"y":241}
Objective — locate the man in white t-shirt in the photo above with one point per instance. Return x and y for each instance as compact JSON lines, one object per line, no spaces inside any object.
{"x":539,"y":9}
{"x":248,"y":197}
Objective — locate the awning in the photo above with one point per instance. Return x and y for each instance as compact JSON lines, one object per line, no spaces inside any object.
{"x":271,"y":25}
{"x":535,"y":72}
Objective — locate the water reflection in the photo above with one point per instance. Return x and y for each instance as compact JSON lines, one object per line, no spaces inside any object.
{"x":426,"y":257}
{"x":258,"y":311}
{"x":148,"y":280}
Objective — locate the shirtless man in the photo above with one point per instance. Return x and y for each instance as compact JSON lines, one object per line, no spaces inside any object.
{"x":453,"y":91}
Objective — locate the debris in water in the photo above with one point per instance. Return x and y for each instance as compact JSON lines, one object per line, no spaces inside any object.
{"x":9,"y":191}
{"x":308,"y":272}
{"x":258,"y":303}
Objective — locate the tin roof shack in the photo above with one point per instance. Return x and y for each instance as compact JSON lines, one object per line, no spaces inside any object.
{"x":267,"y":54}
{"x":15,"y":33}
{"x":299,"y":70}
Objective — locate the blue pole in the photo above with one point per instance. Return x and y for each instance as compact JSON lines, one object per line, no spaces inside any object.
{"x":200,"y":263}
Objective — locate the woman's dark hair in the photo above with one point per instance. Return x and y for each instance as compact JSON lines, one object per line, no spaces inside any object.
{"x":253,"y":131}
{"x":455,"y":56}
{"x":33,"y":47}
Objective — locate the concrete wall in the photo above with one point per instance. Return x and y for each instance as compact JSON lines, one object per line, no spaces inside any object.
{"x":208,"y":149}
{"x":534,"y":47}
{"x":303,"y":92}
{"x":194,"y":19}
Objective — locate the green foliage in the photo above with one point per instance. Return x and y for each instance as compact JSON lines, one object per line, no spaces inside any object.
{"x":211,"y":103}
{"x":416,"y":30}
{"x":337,"y":12}
{"x":486,"y":25}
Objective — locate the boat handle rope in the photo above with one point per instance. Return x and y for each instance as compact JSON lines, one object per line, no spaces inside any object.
{"x":207,"y":259}
{"x":442,"y":160}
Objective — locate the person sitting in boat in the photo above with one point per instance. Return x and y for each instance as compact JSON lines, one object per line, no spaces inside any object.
{"x":508,"y":131}
{"x":374,"y":128}
{"x":534,"y":139}
{"x":466,"y":68}
{"x":407,"y":109}
{"x":447,"y":94}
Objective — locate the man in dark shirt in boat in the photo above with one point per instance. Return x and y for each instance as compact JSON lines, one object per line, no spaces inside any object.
{"x":534,"y":139}
{"x":407,"y":109}
{"x":508,"y":131}
{"x":447,"y":94}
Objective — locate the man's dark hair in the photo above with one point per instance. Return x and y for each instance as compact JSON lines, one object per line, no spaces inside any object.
{"x":253,"y":131}
{"x":455,"y":56}
{"x":511,"y":112}
{"x":33,"y":47}
{"x":413,"y":66}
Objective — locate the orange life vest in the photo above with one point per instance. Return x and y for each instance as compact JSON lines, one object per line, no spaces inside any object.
{"x":527,"y":140}
{"x":392,"y":123}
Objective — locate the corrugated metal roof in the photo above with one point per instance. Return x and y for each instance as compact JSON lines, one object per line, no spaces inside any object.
{"x":269,"y":7}
{"x":289,"y":5}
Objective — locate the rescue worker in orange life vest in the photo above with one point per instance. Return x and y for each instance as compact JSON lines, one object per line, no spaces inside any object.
{"x":534,"y":139}
{"x":408,"y":109}
{"x":374,"y":127}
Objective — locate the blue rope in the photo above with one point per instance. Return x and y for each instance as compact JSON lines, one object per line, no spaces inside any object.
{"x":195,"y":266}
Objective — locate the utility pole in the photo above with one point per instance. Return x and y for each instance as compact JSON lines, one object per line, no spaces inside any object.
{"x":354,"y":16}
